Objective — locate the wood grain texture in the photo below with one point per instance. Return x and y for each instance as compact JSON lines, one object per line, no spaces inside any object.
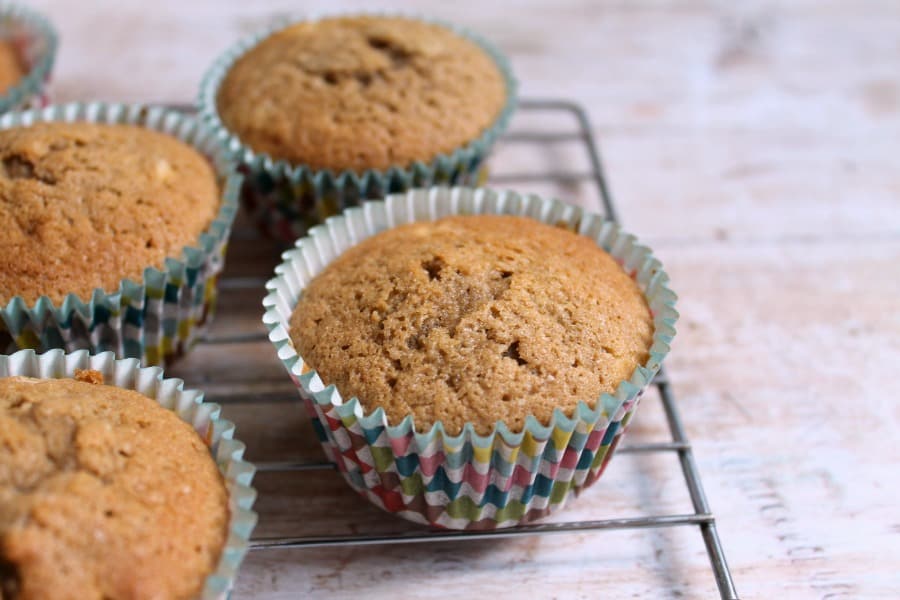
{"x":755,"y":147}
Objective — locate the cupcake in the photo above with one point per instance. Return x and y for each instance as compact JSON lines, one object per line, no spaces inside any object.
{"x":11,"y":68}
{"x":322,"y":114}
{"x":470,"y":358}
{"x":116,"y":219}
{"x":27,"y":51}
{"x":133,"y":489}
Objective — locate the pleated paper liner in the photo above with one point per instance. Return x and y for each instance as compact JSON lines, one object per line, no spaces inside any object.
{"x":466,"y":481}
{"x":35,"y":42}
{"x":159,"y":317}
{"x":190,"y":408}
{"x":286,"y":200}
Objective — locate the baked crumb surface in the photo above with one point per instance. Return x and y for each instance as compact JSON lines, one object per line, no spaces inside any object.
{"x":357,"y":93}
{"x":103,"y":494}
{"x":84,"y":205}
{"x":473,"y":319}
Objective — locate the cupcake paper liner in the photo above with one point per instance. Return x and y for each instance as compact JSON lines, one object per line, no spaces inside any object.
{"x":35,"y":42}
{"x":190,"y":408}
{"x":286,"y":200}
{"x":466,"y":481}
{"x":161,"y":316}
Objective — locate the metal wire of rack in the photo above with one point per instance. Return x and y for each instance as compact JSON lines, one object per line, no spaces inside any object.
{"x":702,"y":517}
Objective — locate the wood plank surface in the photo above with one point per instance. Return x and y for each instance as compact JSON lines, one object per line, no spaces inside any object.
{"x":756,"y":147}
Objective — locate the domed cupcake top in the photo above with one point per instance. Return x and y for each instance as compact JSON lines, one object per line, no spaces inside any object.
{"x":103,"y":493}
{"x":473,"y":319}
{"x":357,"y":93}
{"x":85,"y":205}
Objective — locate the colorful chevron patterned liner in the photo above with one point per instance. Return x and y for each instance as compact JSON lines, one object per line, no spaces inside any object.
{"x":466,"y":481}
{"x":286,"y":200}
{"x":190,"y":407}
{"x":35,"y":42}
{"x":161,"y":316}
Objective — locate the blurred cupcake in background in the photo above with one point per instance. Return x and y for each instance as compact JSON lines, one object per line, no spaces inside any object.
{"x":322,"y":114}
{"x":115,"y":221}
{"x":27,"y":51}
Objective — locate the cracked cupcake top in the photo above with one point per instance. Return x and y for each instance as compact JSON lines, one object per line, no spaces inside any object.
{"x":103,"y":494}
{"x":473,"y":319}
{"x":357,"y":93}
{"x":84,"y":205}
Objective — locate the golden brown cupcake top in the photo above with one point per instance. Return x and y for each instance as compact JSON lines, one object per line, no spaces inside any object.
{"x":357,"y":93}
{"x":11,"y":71}
{"x":83,"y":206}
{"x":103,"y":494}
{"x":473,"y":319}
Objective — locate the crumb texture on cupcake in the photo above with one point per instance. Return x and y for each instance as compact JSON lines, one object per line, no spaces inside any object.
{"x":84,"y":205}
{"x":357,"y":93}
{"x":11,"y":71}
{"x":473,"y":319}
{"x":103,"y":494}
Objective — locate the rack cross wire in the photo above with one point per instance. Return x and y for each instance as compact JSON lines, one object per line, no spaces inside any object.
{"x":702,"y":517}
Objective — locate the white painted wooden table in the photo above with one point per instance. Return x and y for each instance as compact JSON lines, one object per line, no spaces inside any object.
{"x":756,"y":148}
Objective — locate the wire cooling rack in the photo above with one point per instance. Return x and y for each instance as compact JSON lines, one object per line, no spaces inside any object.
{"x":701,"y":517}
